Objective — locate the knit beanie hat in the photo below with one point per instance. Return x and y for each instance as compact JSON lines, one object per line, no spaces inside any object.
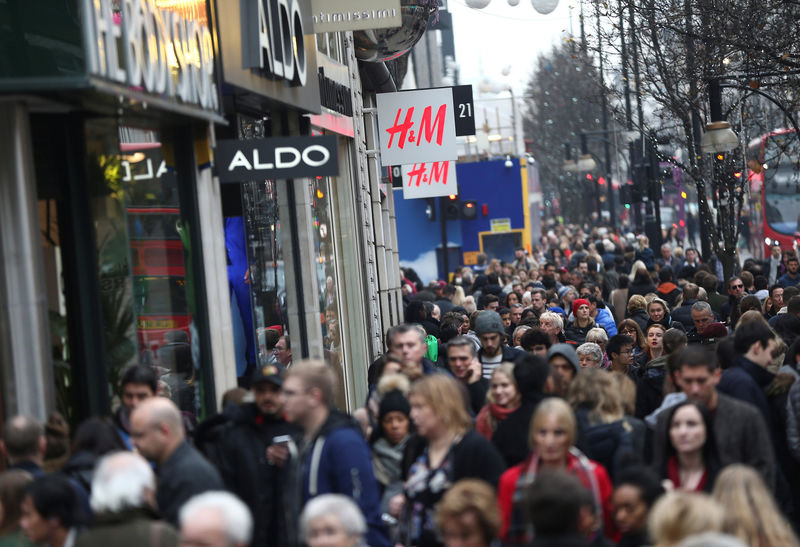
{"x":577,"y":303}
{"x":394,"y":401}
{"x":567,"y":352}
{"x":489,"y":321}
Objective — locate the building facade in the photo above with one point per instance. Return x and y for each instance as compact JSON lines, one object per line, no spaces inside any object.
{"x":120,"y":243}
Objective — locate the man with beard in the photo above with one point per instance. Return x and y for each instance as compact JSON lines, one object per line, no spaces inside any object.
{"x":250,"y":455}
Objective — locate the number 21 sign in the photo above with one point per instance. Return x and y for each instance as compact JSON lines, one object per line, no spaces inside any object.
{"x":417,"y":126}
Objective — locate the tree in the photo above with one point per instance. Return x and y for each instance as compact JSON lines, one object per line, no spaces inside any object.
{"x":562,"y":100}
{"x":691,"y":61}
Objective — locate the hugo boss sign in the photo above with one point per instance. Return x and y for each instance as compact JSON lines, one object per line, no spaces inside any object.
{"x":276,"y":158}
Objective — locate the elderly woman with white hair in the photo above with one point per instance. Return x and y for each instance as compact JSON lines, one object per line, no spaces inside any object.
{"x":123,"y":500}
{"x":332,"y":520}
{"x":600,"y":337}
{"x":215,"y":519}
{"x":590,"y":355}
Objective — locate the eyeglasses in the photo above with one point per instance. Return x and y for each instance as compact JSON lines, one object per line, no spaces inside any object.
{"x":740,"y":286}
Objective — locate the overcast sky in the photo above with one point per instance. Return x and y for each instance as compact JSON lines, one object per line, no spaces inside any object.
{"x":500,"y":36}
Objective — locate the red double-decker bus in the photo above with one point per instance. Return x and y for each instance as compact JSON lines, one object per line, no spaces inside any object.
{"x":774,"y":163}
{"x":159,"y":274}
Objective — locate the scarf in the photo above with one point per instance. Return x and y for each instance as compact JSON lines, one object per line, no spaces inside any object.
{"x":387,"y":460}
{"x":490,"y":416}
{"x":520,"y":530}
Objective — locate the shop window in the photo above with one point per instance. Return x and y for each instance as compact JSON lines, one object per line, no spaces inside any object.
{"x":144,"y":255}
{"x":256,"y":270}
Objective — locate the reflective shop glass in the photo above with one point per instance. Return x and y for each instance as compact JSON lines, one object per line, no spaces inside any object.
{"x":145,"y":260}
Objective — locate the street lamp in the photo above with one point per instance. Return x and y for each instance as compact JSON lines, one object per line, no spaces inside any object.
{"x":718,"y":138}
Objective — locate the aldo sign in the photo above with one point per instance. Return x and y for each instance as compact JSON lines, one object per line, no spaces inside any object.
{"x":268,"y":51}
{"x":276,"y":158}
{"x":273,"y":40}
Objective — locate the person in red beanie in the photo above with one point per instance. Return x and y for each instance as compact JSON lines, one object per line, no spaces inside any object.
{"x":581,"y":324}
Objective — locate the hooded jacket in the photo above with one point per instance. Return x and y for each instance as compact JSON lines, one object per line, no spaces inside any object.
{"x":669,"y":292}
{"x":336,"y":460}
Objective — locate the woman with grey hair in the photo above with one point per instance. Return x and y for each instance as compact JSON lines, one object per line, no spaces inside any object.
{"x":590,"y":355}
{"x":600,"y":337}
{"x":332,"y":520}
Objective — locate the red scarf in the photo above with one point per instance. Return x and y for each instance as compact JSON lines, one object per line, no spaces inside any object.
{"x":490,"y":415}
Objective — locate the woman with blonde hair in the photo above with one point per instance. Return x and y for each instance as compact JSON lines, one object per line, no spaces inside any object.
{"x":751,"y":513}
{"x":679,"y":514}
{"x":605,"y":434}
{"x":552,"y":436}
{"x":641,"y":282}
{"x":502,"y":399}
{"x":447,"y":451}
{"x":637,"y":306}
{"x":459,"y":298}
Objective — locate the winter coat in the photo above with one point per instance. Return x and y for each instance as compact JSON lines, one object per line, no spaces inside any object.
{"x":641,"y":319}
{"x":606,"y":320}
{"x":185,"y":474}
{"x":246,"y":472}
{"x":647,"y":256}
{"x":336,"y":460}
{"x":683,"y":314}
{"x":128,"y":528}
{"x":669,"y":292}
{"x":577,"y":335}
{"x":793,"y":421}
{"x":610,"y":444}
{"x":641,"y":287}
{"x":650,"y":386}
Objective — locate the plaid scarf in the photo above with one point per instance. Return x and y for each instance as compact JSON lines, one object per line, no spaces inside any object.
{"x":520,"y":530}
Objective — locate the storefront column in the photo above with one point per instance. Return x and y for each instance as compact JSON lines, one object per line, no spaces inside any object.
{"x":25,"y":360}
{"x":302,"y":286}
{"x":209,"y":199}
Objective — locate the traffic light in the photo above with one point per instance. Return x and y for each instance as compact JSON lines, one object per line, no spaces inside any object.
{"x":625,"y":195}
{"x":469,"y":209}
{"x":452,"y":209}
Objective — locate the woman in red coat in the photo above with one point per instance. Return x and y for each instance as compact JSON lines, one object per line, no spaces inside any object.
{"x":552,"y":437}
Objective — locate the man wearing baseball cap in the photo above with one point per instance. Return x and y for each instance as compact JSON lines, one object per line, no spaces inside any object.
{"x":252,"y":450}
{"x":494,"y":350}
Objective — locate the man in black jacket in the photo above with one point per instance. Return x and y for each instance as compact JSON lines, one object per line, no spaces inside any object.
{"x":244,"y":465}
{"x":158,"y":433}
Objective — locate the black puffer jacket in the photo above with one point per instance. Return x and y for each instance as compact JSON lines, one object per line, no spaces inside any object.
{"x":246,"y":472}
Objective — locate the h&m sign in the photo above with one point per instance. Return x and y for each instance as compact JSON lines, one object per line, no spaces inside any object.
{"x":161,"y":50}
{"x":276,"y":158}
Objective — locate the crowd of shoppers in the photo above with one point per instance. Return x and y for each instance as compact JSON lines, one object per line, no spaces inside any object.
{"x":587,"y":393}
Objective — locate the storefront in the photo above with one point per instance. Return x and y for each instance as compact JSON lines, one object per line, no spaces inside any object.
{"x":106,"y":205}
{"x":292,"y":240}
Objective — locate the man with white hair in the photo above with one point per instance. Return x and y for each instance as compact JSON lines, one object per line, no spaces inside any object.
{"x":215,"y":519}
{"x":123,"y":500}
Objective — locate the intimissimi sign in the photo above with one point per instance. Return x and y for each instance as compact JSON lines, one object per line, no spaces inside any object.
{"x":163,"y":51}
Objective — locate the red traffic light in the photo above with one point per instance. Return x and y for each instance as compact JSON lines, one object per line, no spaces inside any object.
{"x":601,"y":181}
{"x":589,"y":176}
